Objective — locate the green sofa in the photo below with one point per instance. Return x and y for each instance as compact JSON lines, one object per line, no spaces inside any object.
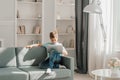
{"x":22,"y":64}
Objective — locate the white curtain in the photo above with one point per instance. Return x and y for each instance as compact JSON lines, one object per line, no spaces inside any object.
{"x":98,"y":53}
{"x":116,"y":24}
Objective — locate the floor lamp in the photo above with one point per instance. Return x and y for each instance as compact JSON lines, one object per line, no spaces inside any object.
{"x":94,"y":8}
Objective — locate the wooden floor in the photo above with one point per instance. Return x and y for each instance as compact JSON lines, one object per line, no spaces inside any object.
{"x":78,"y":76}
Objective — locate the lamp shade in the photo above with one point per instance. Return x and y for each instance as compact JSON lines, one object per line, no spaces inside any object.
{"x":93,"y":8}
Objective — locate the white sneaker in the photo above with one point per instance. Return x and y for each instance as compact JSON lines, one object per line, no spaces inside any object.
{"x":51,"y":75}
{"x":48,"y":71}
{"x":62,"y":67}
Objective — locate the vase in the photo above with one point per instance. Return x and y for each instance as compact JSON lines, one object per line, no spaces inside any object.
{"x":115,"y":72}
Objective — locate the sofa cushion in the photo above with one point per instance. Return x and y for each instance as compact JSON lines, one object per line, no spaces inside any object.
{"x":36,"y":73}
{"x":12,"y":73}
{"x":62,"y":73}
{"x":32,"y":56}
{"x":7,"y":57}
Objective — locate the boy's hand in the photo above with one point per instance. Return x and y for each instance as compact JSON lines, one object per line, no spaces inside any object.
{"x":64,"y":53}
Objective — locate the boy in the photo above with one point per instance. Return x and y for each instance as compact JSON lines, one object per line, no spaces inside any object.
{"x":55,"y":50}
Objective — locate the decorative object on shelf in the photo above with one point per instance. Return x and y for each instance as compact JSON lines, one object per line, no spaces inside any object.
{"x":39,"y":0}
{"x":21,"y":29}
{"x":36,"y":0}
{"x":71,"y":43}
{"x":18,"y":15}
{"x":60,"y":1}
{"x":35,"y":42}
{"x":58,"y":15}
{"x":39,"y":16}
{"x":36,"y":30}
{"x":69,"y":29}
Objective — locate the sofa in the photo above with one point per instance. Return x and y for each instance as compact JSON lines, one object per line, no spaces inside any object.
{"x":20,"y":63}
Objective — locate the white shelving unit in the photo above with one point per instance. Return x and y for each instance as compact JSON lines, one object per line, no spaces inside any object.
{"x":29,"y":2}
{"x":29,"y":19}
{"x":65,"y":22}
{"x":46,"y":15}
{"x":29,"y":22}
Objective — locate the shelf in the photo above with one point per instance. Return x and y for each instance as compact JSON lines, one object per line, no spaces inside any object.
{"x":25,"y":2}
{"x":61,"y":4}
{"x":70,"y":48}
{"x":63,"y":34}
{"x":29,"y":18}
{"x":67,"y":19}
{"x":29,"y":34}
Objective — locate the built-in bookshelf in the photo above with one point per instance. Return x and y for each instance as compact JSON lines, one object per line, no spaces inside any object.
{"x":29,"y":22}
{"x":65,"y":22}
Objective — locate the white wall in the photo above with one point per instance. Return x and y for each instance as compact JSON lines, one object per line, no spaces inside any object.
{"x":7,"y":22}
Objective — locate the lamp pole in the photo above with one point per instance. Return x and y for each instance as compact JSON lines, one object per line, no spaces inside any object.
{"x":102,"y":27}
{"x":104,"y":37}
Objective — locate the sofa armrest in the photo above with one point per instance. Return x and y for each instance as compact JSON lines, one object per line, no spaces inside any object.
{"x":68,"y":62}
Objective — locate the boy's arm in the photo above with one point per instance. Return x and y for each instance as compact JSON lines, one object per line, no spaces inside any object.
{"x":64,"y":52}
{"x":33,"y":45}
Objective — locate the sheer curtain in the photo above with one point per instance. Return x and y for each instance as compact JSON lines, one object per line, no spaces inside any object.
{"x":116,"y":24}
{"x":97,"y":56}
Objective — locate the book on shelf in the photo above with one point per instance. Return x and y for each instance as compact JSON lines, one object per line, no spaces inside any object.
{"x":69,"y":29}
{"x":71,"y":43}
{"x":36,"y":30}
{"x":21,"y":29}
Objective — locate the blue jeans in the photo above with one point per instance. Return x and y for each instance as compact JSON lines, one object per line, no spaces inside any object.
{"x":52,"y":62}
